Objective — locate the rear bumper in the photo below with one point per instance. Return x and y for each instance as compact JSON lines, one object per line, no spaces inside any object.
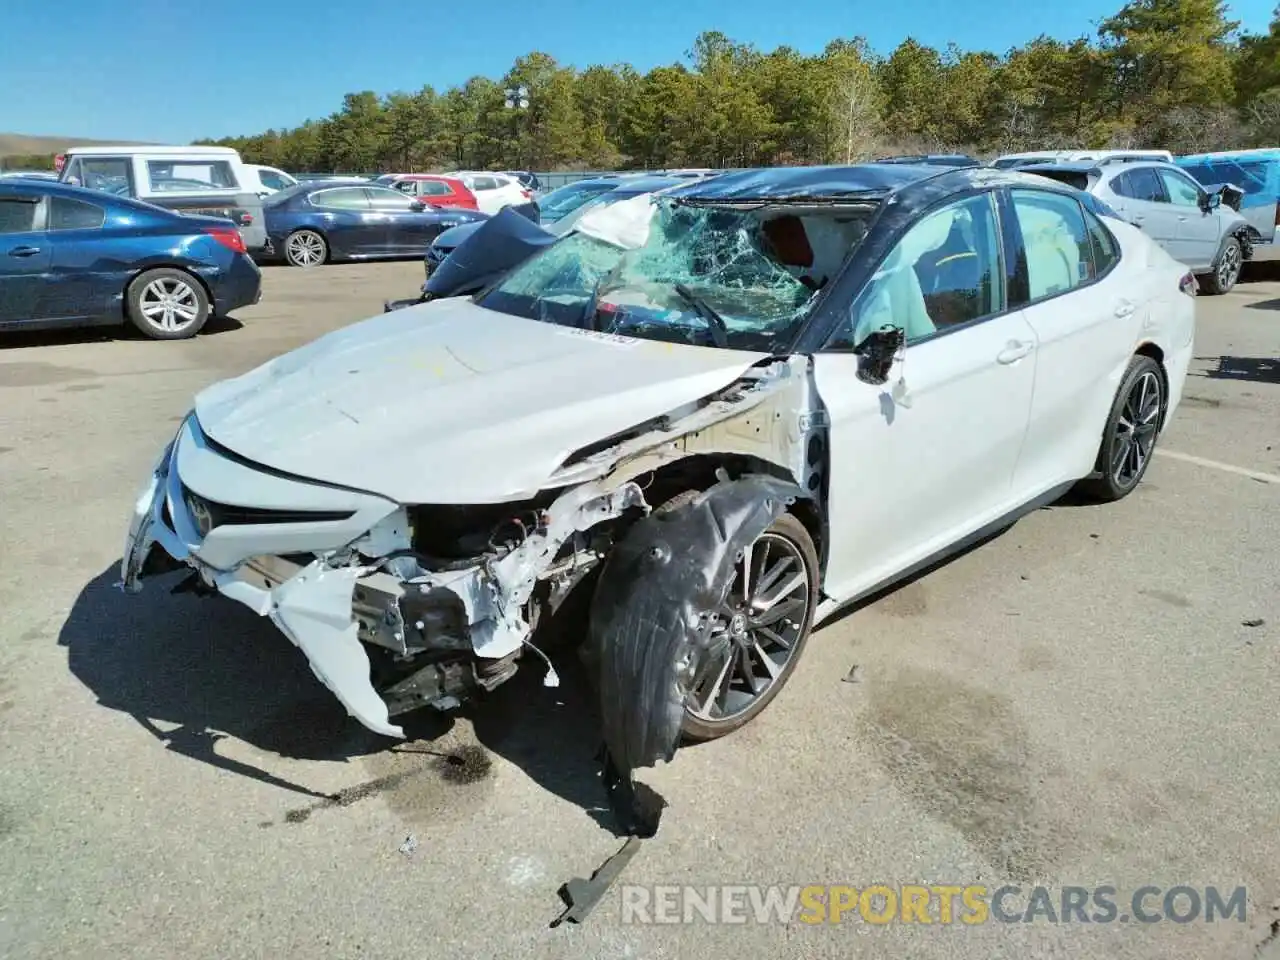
{"x":240,"y":286}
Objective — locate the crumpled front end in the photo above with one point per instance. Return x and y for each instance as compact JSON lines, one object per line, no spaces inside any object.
{"x":386,"y":627}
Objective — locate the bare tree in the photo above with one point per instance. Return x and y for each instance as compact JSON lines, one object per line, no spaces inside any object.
{"x":1020,"y":125}
{"x":1202,"y":129}
{"x":855,"y":111}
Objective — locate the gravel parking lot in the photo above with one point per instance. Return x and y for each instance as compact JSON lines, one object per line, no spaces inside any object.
{"x":1089,"y":698}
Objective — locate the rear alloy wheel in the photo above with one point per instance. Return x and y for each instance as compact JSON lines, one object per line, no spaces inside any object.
{"x":757,"y":635}
{"x":1227,"y":270}
{"x":306,"y":248}
{"x":167,"y":304}
{"x":1132,"y":430}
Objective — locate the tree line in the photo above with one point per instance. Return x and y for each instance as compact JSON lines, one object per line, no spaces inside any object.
{"x":1176,"y":74}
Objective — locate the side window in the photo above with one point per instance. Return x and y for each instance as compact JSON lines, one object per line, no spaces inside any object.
{"x":435,"y":188}
{"x":1105,"y":250}
{"x":1146,"y":185}
{"x":1121,"y":186}
{"x":344,"y":198}
{"x":67,"y":214}
{"x":18,"y":214}
{"x":484,"y":183}
{"x":944,"y":272}
{"x":381,"y":199}
{"x":1182,"y":192}
{"x":1059,"y":250}
{"x":109,"y":174}
{"x":404,"y":186}
{"x":184,"y":176}
{"x":273,"y":180}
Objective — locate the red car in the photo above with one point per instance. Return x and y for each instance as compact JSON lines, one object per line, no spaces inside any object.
{"x":436,"y":190}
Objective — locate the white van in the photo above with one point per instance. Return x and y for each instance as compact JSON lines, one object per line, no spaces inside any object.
{"x":207,"y":180}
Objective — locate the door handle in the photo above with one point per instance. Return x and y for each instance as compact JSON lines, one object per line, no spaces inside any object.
{"x":1015,"y":350}
{"x":1182,"y":218}
{"x":1125,"y":309}
{"x":24,"y":251}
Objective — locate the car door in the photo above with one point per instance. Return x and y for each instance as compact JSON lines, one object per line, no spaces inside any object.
{"x":86,"y":274}
{"x":1141,"y":198}
{"x":1082,"y":306}
{"x":349,"y":222}
{"x":405,"y":230}
{"x":24,"y":255}
{"x":1199,"y":228}
{"x":928,"y":457}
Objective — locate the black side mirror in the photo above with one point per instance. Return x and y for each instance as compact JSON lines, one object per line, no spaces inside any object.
{"x":417,"y":206}
{"x":876,"y":353}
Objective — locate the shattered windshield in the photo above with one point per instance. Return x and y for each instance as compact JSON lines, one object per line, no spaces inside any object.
{"x":655,"y":268}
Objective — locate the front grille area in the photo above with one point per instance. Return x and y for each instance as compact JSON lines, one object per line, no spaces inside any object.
{"x":210,"y":514}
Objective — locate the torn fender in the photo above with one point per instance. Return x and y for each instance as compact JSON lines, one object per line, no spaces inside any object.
{"x":652,"y":612}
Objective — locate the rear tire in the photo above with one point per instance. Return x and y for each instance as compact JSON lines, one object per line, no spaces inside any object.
{"x":167,"y":304}
{"x":1129,"y":439}
{"x":1226,"y":271}
{"x":306,"y":248}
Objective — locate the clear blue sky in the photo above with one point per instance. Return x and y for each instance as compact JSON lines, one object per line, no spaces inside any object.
{"x":156,"y":70}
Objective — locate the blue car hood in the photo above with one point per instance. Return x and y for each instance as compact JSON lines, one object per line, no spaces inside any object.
{"x":499,"y":243}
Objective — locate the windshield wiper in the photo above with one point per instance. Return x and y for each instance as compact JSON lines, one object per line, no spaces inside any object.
{"x":715,"y":322}
{"x":589,"y":308}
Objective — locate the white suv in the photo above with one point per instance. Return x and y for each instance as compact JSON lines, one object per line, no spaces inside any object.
{"x":270,"y":180}
{"x":494,"y":190}
{"x":1193,"y":225}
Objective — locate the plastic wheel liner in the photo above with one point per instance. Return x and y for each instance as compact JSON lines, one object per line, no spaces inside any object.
{"x":652,"y":612}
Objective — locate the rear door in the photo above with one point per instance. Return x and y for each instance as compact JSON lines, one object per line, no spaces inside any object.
{"x":1141,"y":198}
{"x":1084,"y":311}
{"x":404,"y":230}
{"x":24,"y":256}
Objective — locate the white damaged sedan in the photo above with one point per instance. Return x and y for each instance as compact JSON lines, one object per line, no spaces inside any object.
{"x":714,"y":416}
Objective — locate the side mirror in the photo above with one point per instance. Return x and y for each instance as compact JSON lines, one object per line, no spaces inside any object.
{"x":876,"y":352}
{"x":1210,"y":201}
{"x":417,"y":206}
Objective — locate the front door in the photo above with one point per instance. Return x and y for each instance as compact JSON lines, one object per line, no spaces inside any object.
{"x":928,"y":457}
{"x":24,"y":257}
{"x":1199,"y":229}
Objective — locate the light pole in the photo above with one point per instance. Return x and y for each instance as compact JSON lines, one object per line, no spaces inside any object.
{"x":517,"y":101}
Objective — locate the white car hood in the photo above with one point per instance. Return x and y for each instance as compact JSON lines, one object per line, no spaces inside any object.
{"x":450,"y":403}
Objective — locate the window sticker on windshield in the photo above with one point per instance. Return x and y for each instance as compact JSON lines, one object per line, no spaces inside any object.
{"x":597,"y":335}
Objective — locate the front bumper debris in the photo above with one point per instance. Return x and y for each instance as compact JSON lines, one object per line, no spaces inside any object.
{"x":347,"y":583}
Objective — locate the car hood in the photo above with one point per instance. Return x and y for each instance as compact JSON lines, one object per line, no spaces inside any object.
{"x":448,"y":402}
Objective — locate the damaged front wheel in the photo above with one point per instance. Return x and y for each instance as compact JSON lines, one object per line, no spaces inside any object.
{"x":757,"y":635}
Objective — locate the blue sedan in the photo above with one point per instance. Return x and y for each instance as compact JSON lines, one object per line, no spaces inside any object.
{"x":316,"y":222}
{"x":76,"y":257}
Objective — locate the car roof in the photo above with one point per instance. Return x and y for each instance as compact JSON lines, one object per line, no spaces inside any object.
{"x":187,"y":151}
{"x":647,"y":184}
{"x":868,"y":180}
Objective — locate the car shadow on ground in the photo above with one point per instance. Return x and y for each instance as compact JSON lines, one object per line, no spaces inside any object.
{"x":1252,"y":369}
{"x":62,"y":336}
{"x":193,"y":671}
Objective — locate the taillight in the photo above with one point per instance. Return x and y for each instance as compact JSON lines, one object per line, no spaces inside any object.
{"x":528,"y":194}
{"x":229,"y":237}
{"x":1188,"y":284}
